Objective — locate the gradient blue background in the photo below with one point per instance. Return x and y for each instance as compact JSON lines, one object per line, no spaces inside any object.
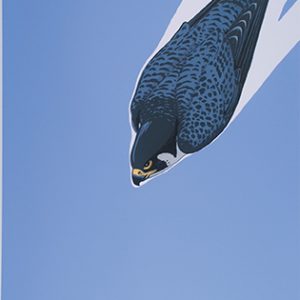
{"x":224,"y":224}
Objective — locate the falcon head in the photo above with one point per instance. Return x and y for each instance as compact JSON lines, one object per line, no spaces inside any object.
{"x":154,"y":149}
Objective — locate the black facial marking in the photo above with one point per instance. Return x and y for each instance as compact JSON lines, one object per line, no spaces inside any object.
{"x":153,"y":138}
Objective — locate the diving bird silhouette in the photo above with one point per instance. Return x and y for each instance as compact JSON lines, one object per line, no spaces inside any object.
{"x":189,"y":90}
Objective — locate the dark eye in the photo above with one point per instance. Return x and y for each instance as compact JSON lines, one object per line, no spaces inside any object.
{"x":148,"y":165}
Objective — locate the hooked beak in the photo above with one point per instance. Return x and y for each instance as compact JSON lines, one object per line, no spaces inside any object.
{"x":139,"y":176}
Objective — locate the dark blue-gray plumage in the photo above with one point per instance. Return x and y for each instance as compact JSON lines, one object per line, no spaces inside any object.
{"x":193,"y":84}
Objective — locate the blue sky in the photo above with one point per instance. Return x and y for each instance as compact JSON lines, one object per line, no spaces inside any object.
{"x":224,"y":224}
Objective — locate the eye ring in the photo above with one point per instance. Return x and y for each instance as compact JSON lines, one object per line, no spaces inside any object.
{"x":148,"y":165}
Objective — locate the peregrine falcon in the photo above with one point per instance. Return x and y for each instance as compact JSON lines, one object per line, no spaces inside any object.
{"x":189,"y":90}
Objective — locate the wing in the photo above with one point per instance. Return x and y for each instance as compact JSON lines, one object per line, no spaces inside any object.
{"x":208,"y":100}
{"x":166,"y":61}
{"x":159,"y":68}
{"x":203,"y":104}
{"x":243,"y":36}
